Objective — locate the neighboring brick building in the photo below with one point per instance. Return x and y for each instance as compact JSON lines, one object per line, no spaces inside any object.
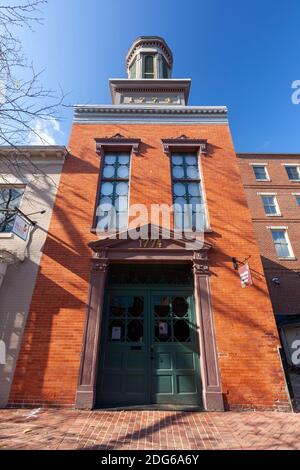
{"x":272,"y":185}
{"x":124,"y":320}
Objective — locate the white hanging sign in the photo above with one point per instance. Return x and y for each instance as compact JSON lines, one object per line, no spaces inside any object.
{"x":21,"y":227}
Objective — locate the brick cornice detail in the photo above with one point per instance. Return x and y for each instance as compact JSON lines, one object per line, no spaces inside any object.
{"x":185,"y":143}
{"x":117,"y":142}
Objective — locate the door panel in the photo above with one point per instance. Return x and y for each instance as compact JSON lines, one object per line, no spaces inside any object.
{"x":149,"y":348}
{"x":124,"y":365}
{"x":175,"y":351}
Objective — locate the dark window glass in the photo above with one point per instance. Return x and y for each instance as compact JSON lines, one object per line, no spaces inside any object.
{"x":260,"y":173}
{"x":10,"y":199}
{"x":281,"y":244}
{"x":148,"y":66}
{"x":172,"y":317}
{"x":112,"y":211}
{"x":126,"y":319}
{"x":293,"y":173}
{"x":270,"y":205}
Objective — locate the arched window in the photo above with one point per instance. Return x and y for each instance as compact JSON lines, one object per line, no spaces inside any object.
{"x":148,"y":66}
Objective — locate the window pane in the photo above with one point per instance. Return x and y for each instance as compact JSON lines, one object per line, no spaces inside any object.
{"x":107,"y":189}
{"x":193,"y":172}
{"x":123,"y":171}
{"x":123,"y":159}
{"x":180,"y":201}
{"x":179,"y":189}
{"x":121,"y":203}
{"x":108,"y":171}
{"x":270,"y":206}
{"x":122,"y":188}
{"x":178,"y":172}
{"x":194,"y":189}
{"x":189,"y":211}
{"x":10,"y":198}
{"x":110,"y":159}
{"x":281,"y":243}
{"x":293,"y":172}
{"x":149,"y":66}
{"x":113,"y":204}
{"x":177,"y":160}
{"x":298,"y":200}
{"x":191,"y":160}
{"x":260,"y":172}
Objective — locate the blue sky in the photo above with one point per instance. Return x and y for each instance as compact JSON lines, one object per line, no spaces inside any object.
{"x":240,"y":53}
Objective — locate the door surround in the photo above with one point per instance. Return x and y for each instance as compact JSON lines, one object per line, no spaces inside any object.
{"x":172,"y":251}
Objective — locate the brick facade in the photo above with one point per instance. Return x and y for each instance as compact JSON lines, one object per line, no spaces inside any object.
{"x":286,"y":297}
{"x":246,"y":333}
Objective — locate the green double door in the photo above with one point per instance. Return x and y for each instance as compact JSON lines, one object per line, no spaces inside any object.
{"x":149,"y":348}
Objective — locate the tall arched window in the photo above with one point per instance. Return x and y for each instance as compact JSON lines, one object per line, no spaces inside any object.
{"x":148,"y":66}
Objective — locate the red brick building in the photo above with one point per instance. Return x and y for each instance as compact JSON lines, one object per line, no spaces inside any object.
{"x":137,"y":318}
{"x":272,"y":185}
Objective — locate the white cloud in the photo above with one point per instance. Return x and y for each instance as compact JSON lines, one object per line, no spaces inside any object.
{"x":45,"y":132}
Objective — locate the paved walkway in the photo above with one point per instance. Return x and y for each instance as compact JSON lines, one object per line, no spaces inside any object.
{"x":167,"y":430}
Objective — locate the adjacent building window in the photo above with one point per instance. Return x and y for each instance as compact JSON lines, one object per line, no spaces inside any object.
{"x":10,"y":199}
{"x":298,"y":200}
{"x":112,"y":211}
{"x":189,"y":210}
{"x":148,"y":66}
{"x":282,"y":243}
{"x":261,"y":173}
{"x":293,"y":173}
{"x":270,"y":205}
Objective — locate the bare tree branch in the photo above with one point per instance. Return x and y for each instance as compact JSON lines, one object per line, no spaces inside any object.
{"x":24,"y":101}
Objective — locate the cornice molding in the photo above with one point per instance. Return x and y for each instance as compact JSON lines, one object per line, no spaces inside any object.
{"x":154,"y":41}
{"x":184,"y":143}
{"x":102,"y":113}
{"x":167,"y":85}
{"x":35,"y":151}
{"x":117,"y":142}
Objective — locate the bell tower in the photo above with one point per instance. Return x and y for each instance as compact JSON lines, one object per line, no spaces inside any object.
{"x":149,"y":82}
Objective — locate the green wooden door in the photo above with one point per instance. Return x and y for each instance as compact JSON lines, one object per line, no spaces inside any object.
{"x":175,"y":376}
{"x":149,"y":348}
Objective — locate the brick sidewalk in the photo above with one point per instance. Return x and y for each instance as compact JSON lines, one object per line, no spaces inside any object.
{"x":71,"y":429}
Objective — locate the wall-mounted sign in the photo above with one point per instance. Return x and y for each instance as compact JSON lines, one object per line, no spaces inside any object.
{"x":245,"y":275}
{"x":116,"y":333}
{"x":21,"y":227}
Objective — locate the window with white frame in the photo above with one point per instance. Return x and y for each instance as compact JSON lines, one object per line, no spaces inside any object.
{"x":112,"y":211}
{"x":260,"y":172}
{"x":10,"y":199}
{"x":282,"y":244}
{"x":270,"y":204}
{"x":293,"y":172}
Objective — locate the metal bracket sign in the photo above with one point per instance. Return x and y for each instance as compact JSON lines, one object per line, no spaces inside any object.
{"x":245,"y":275}
{"x":21,"y":227}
